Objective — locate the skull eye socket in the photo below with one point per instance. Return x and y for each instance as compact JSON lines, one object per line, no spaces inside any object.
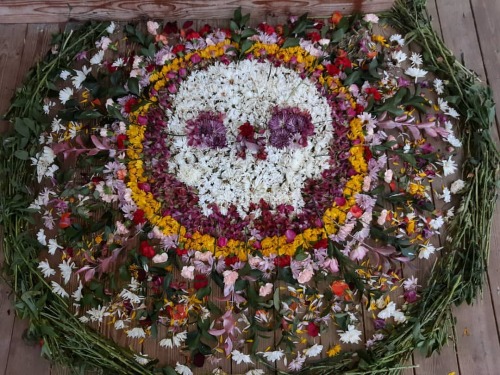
{"x":207,"y":130}
{"x":289,"y":125}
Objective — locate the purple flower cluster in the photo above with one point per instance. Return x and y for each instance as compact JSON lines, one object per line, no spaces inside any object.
{"x":207,"y":131}
{"x":290,"y":126}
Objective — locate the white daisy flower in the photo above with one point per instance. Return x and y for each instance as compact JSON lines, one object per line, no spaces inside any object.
{"x":399,"y":57}
{"x":398,"y":39}
{"x":64,"y":75}
{"x":141,"y":359}
{"x":111,"y":28}
{"x":457,"y":186}
{"x":416,"y":59}
{"x":53,"y":246}
{"x":40,"y":236}
{"x":454,"y":141}
{"x":257,"y":371}
{"x":182,"y":370}
{"x":59,"y":290}
{"x":119,"y":324}
{"x":351,"y":336}
{"x":65,"y":94}
{"x":426,"y":251}
{"x":136,"y":333}
{"x":174,"y":342}
{"x":438,"y":86}
{"x":239,"y":357}
{"x":449,"y":166}
{"x":46,"y":269}
{"x":314,"y":350}
{"x":66,"y":269}
{"x":415,"y":73}
{"x":436,"y":223}
{"x":446,"y":196}
{"x":77,"y":294}
{"x":97,"y":58}
{"x":273,"y":356}
{"x":97,"y":314}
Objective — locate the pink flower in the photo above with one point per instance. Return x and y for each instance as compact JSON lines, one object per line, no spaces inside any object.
{"x":254,"y":261}
{"x":152,"y":27}
{"x":265,"y":289}
{"x":358,"y":253}
{"x":188,"y":272}
{"x":290,"y":236}
{"x":383,"y":216}
{"x":367,"y":181}
{"x":388,"y":176}
{"x":305,"y":275}
{"x":160,"y":258}
{"x":331,"y":264}
{"x":230,"y":278}
{"x":203,"y":257}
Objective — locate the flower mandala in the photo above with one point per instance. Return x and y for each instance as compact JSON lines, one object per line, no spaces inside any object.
{"x":231,"y":185}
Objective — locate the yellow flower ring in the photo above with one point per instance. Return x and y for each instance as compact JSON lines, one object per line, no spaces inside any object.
{"x":332,"y":218}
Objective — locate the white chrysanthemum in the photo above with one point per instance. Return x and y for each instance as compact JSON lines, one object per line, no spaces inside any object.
{"x":399,"y":57}
{"x":46,"y":269}
{"x":40,"y":236}
{"x":64,"y":75}
{"x":453,"y":140}
{"x":43,"y":161}
{"x":257,"y":371}
{"x":136,"y":333}
{"x":97,"y":58}
{"x":142,"y":359}
{"x":79,"y":77}
{"x":53,"y":246}
{"x":273,"y":356}
{"x":449,"y":166}
{"x":182,"y":370}
{"x":416,"y":72}
{"x":65,"y":94}
{"x":398,"y":39}
{"x":457,"y":186}
{"x":247,"y":91}
{"x":426,"y":251}
{"x":438,"y":86}
{"x":174,"y":342}
{"x":240,"y":357}
{"x":446,"y":196}
{"x":59,"y":290}
{"x":416,"y":59}
{"x":111,"y":28}
{"x":351,"y":336}
{"x":390,"y":311}
{"x":314,"y":350}
{"x":436,"y":223}
{"x":66,"y":268}
{"x":77,"y":294}
{"x":130,"y":296}
{"x":97,"y":314}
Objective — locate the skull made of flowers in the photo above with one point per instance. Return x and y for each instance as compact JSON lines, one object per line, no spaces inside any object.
{"x":248,"y":132}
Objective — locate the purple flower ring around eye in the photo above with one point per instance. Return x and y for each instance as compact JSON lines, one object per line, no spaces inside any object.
{"x":290,"y":126}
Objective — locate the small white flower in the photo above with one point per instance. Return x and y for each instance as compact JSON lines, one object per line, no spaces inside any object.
{"x":351,"y":336}
{"x":65,"y":94}
{"x":118,"y":63}
{"x":426,"y":251}
{"x":182,"y":370}
{"x":416,"y":59}
{"x":388,"y":176}
{"x":446,"y":196}
{"x":457,"y":186}
{"x":176,"y":341}
{"x":436,"y":223}
{"x":40,"y":236}
{"x":415,"y":73}
{"x":80,"y":77}
{"x":97,"y":58}
{"x":129,"y":296}
{"x":53,"y":246}
{"x":136,"y":333}
{"x":257,"y":371}
{"x":46,"y":269}
{"x":239,"y":357}
{"x":119,"y":324}
{"x":59,"y":290}
{"x":152,"y":27}
{"x":66,"y":269}
{"x":438,"y":86}
{"x":398,"y":39}
{"x":77,"y":294}
{"x":111,"y":28}
{"x":160,"y":258}
{"x":314,"y":350}
{"x":273,"y":356}
{"x":373,"y":18}
{"x":64,"y":74}
{"x":399,"y":57}
{"x":410,"y":283}
{"x":56,"y":125}
{"x":449,"y":166}
{"x":141,"y":359}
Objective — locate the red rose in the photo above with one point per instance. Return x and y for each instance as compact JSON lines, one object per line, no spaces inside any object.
{"x":231,"y":260}
{"x":200,"y":282}
{"x":368,"y":153}
{"x":205,"y":29}
{"x":282,"y":261}
{"x":266,"y":29}
{"x":120,"y":141}
{"x":312,"y":329}
{"x":139,"y":217}
{"x":332,"y":70}
{"x":147,"y":250}
{"x":178,"y":48}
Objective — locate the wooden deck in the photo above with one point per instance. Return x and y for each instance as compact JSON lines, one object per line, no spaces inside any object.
{"x":469,"y":27}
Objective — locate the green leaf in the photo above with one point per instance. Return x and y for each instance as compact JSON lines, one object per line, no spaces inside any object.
{"x":22,"y":154}
{"x":276,"y":299}
{"x":233,"y":26}
{"x":247,"y":33}
{"x":337,"y":36}
{"x":133,"y":85}
{"x":21,"y":128}
{"x":245,"y":46}
{"x":168,"y":371}
{"x":353,"y":77}
{"x":291,"y":42}
{"x":203,"y":292}
{"x":90,"y":114}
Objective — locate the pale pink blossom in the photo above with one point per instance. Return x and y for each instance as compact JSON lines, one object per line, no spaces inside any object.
{"x":160,"y":258}
{"x":152,"y":27}
{"x":188,"y":272}
{"x":265,"y":289}
{"x":388,"y":176}
{"x":305,"y":275}
{"x":203,"y":257}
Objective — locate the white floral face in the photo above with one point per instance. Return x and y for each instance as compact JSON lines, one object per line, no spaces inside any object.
{"x":247,"y":91}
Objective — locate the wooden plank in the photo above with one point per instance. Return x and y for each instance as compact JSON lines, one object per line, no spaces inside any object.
{"x":478,"y":346}
{"x":15,"y":11}
{"x":24,"y":359}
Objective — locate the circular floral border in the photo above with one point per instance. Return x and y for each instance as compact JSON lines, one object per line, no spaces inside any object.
{"x":450,"y":286}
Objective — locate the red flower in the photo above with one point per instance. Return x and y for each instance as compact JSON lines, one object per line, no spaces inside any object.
{"x":192,"y":35}
{"x":282,"y":261}
{"x":231,"y":260}
{"x":147,"y":250}
{"x":332,"y":70}
{"x":312,"y":329}
{"x":336,"y":17}
{"x":178,"y":48}
{"x":200,"y":282}
{"x":139,"y":217}
{"x":266,"y":29}
{"x":170,"y":28}
{"x":356,"y":211}
{"x":129,"y":104}
{"x":368,"y":153}
{"x":205,"y":29}
{"x":343,"y":61}
{"x":247,"y":130}
{"x":120,"y":141}
{"x":180,"y":252}
{"x":65,"y":220}
{"x":321,"y":244}
{"x":314,"y":36}
{"x":339,"y":288}
{"x":373,"y":91}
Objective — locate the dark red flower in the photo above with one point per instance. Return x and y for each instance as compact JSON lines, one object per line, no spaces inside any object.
{"x":314,"y":36}
{"x":247,"y":130}
{"x":200,"y":282}
{"x":332,"y":70}
{"x":120,"y":141}
{"x":198,"y":360}
{"x":231,"y":260}
{"x":147,"y":250}
{"x":368,"y":153}
{"x":373,"y":91}
{"x":139,"y":217}
{"x":192,"y":35}
{"x":312,"y":329}
{"x":205,"y":29}
{"x":266,"y":29}
{"x":65,"y":220}
{"x":321,"y":244}
{"x":129,"y":104}
{"x":282,"y":261}
{"x":179,"y":48}
{"x":180,"y":252}
{"x":170,"y":28}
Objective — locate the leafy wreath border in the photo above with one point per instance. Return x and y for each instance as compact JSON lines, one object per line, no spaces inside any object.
{"x":457,"y":276}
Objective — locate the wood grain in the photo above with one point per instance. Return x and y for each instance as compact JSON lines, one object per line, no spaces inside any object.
{"x":15,"y":11}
